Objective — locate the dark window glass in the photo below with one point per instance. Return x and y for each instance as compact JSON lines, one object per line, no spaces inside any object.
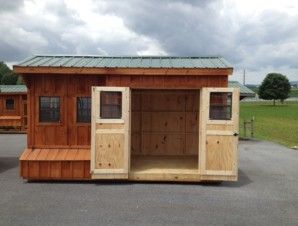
{"x":110,"y":105}
{"x":220,"y":106}
{"x":9,"y":104}
{"x":83,"y":109}
{"x":49,"y":109}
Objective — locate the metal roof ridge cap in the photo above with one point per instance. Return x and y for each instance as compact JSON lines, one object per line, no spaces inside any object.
{"x":123,"y":56}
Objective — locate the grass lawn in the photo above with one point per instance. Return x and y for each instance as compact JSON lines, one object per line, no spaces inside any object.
{"x":294,"y":92}
{"x":275,"y":123}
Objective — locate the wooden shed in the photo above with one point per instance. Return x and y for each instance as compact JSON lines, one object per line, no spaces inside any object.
{"x":131,"y":117}
{"x":245,"y":92}
{"x":13,"y":108}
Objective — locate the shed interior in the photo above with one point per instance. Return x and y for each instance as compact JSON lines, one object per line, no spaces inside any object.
{"x":164,"y":131}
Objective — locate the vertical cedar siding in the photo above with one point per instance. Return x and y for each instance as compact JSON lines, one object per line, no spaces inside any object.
{"x":12,"y":117}
{"x":167,"y":82}
{"x":68,"y":133}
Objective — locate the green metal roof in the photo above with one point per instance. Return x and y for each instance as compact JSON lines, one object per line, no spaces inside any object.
{"x":125,"y":61}
{"x":13,"y":89}
{"x":244,"y":91}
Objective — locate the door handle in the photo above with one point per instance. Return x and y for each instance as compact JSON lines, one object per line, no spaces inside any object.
{"x":236,"y":134}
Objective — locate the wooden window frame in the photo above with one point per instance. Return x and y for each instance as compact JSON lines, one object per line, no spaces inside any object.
{"x":13,"y":106}
{"x":230,"y":106}
{"x":38,"y":111}
{"x":221,"y":121}
{"x":112,"y":89}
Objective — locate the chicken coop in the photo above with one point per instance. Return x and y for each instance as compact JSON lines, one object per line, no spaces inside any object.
{"x":148,"y":118}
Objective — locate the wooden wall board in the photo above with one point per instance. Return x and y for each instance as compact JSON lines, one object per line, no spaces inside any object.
{"x":166,"y":82}
{"x":137,"y":72}
{"x":67,"y":133}
{"x":165,"y":122}
{"x":13,"y":117}
{"x":57,"y":164}
{"x":55,"y":170}
{"x":45,"y":154}
{"x":109,"y":151}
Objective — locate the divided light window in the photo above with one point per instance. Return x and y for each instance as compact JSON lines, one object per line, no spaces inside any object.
{"x":110,"y":105}
{"x":84,"y":109}
{"x":220,"y":106}
{"x":9,"y":104}
{"x":49,"y":109}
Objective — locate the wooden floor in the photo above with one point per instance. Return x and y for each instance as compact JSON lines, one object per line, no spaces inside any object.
{"x":164,"y":164}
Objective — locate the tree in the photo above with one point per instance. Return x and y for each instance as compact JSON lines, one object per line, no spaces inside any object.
{"x":3,"y":70}
{"x":275,"y":86}
{"x":7,"y":76}
{"x":9,"y":79}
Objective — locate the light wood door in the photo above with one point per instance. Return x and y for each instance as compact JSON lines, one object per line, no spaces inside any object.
{"x":219,"y":129}
{"x":110,"y":132}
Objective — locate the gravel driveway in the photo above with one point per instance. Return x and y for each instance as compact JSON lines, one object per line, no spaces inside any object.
{"x":266,"y":194}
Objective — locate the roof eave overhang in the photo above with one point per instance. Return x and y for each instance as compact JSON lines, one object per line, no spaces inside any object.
{"x":122,"y":71}
{"x":13,"y":93}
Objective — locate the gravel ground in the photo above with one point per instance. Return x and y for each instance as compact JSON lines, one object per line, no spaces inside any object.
{"x":266,"y":194}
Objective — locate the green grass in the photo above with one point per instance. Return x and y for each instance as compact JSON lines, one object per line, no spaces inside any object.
{"x":274,"y":123}
{"x":294,"y":92}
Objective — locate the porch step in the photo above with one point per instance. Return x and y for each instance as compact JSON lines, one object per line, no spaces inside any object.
{"x":55,"y":164}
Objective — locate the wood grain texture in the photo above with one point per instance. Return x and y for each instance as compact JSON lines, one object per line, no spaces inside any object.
{"x":166,"y":82}
{"x":109,"y":151}
{"x":137,"y":72}
{"x":219,"y":145}
{"x":110,"y":141}
{"x":165,"y":122}
{"x":16,"y":117}
{"x":66,"y":133}
{"x":55,"y":164}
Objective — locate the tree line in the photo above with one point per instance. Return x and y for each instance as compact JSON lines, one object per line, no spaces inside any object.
{"x":8,"y":76}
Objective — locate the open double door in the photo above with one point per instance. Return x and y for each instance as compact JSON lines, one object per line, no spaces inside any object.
{"x":111,"y":130}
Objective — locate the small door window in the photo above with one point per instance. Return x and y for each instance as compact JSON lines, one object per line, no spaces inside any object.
{"x":9,"y":104}
{"x":83,"y":109}
{"x":110,"y":105}
{"x":49,"y":109}
{"x":220,"y":106}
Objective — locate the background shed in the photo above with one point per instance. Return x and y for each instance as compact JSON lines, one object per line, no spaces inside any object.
{"x":13,"y":107}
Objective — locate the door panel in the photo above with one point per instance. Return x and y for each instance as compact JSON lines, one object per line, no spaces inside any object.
{"x":219,"y":119}
{"x":110,"y":141}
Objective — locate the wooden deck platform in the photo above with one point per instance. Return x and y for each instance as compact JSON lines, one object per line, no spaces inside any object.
{"x":55,"y":164}
{"x":164,"y":168}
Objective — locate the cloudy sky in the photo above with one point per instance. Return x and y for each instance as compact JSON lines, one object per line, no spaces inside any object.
{"x":260,"y":36}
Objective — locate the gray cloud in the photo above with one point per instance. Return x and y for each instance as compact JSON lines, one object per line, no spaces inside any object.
{"x":174,"y":27}
{"x":10,"y":5}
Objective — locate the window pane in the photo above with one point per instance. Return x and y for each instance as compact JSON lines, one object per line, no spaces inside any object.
{"x":49,"y":109}
{"x":220,"y":106}
{"x":110,"y":105}
{"x":84,"y":109}
{"x":9,"y":104}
